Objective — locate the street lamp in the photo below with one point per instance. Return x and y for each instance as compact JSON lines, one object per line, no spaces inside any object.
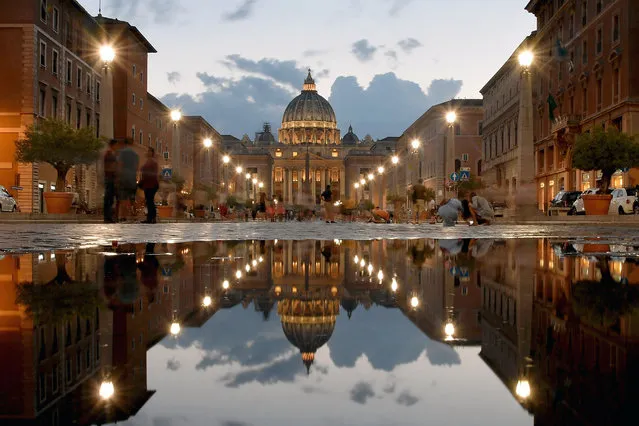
{"x":208,"y":142}
{"x":381,"y":170}
{"x":526,"y":58}
{"x":371,"y":176}
{"x":175,"y":329}
{"x":206,"y":301}
{"x":414,"y":302}
{"x":451,"y":117}
{"x":415,"y":143}
{"x":226,"y":159}
{"x":362,"y":181}
{"x":107,"y":390}
{"x":107,"y":55}
{"x":238,"y":170}
{"x":523,"y":389}
{"x":176,"y":115}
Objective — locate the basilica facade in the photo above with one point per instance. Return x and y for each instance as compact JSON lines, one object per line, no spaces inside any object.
{"x":307,"y":155}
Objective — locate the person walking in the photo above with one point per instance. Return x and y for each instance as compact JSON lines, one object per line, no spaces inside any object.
{"x":128,"y":163}
{"x":327,"y":197}
{"x":150,"y":184}
{"x":419,"y":195}
{"x":110,"y":166}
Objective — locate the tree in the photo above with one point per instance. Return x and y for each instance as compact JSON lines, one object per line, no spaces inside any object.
{"x":606,"y":150}
{"x":465,"y":187}
{"x":57,"y":143}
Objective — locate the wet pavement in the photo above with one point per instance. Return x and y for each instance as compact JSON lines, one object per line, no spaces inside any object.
{"x":33,"y":237}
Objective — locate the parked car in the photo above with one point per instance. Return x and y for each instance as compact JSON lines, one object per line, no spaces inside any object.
{"x":7,"y":202}
{"x":563,"y":201}
{"x":578,"y":206}
{"x":624,"y":201}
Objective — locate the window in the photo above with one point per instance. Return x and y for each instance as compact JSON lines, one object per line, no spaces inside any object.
{"x":89,"y":84}
{"x":141,"y":103}
{"x":42,"y":386}
{"x":615,"y":28}
{"x":97,"y":91}
{"x":134,"y":70}
{"x":584,"y":100}
{"x":43,"y":54}
{"x":571,"y":26}
{"x":133,"y":99}
{"x":69,"y":72}
{"x":599,"y":6}
{"x":150,"y":142}
{"x":133,"y":133}
{"x":480,"y":128}
{"x":141,"y":137}
{"x":584,"y":13}
{"x":78,"y":78}
{"x":584,"y":52}
{"x":56,"y":20}
{"x":54,"y":106}
{"x":141,"y":75}
{"x":78,"y":116}
{"x":599,"y":41}
{"x":334,"y":153}
{"x":457,"y":129}
{"x":88,"y":117}
{"x":44,"y":10}
{"x":464,"y":157}
{"x":67,"y":112}
{"x":54,"y":62}
{"x":294,"y":154}
{"x":97,"y":126}
{"x":599,"y":94}
{"x":278,"y":153}
{"x":41,"y":101}
{"x":616,"y":85}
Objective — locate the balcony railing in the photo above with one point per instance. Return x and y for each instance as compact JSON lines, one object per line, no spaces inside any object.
{"x":565,"y":121}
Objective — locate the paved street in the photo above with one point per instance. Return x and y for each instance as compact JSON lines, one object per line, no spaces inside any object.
{"x":33,"y":237}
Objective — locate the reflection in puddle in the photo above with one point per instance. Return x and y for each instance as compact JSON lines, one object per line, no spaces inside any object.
{"x":85,"y":335}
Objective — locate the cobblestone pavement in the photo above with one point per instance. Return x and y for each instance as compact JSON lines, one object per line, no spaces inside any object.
{"x":33,"y":237}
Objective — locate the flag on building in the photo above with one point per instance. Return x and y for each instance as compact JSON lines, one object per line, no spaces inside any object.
{"x":552,"y":106}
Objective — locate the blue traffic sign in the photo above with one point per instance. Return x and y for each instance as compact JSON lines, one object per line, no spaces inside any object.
{"x":167,"y":271}
{"x":166,"y":174}
{"x":464,"y":272}
{"x":464,"y":175}
{"x":454,"y":177}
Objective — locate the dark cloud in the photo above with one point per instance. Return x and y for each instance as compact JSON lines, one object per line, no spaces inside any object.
{"x":391,"y":54}
{"x":243,"y":11}
{"x":287,"y":72}
{"x":173,"y":364}
{"x":407,"y":399}
{"x":362,"y":392}
{"x":284,"y":370}
{"x":173,"y":77}
{"x":397,"y":6}
{"x":363,"y":50}
{"x":389,"y":105}
{"x":409,"y":44}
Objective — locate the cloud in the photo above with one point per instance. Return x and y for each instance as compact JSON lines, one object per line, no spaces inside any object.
{"x":388,"y":105}
{"x":287,"y":72}
{"x":173,"y":364}
{"x":391,"y":54}
{"x":397,"y":6}
{"x":173,"y":77}
{"x":280,"y":371}
{"x":159,"y":11}
{"x":312,"y":52}
{"x":243,"y":11}
{"x":363,"y":50}
{"x":409,"y":44}
{"x":362,"y":392}
{"x":407,"y":399}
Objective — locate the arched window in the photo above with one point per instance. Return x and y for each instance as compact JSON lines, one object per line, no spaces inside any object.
{"x":457,"y":164}
{"x":479,"y":164}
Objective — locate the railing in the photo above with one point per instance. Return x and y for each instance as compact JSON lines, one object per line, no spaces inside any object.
{"x":565,"y":121}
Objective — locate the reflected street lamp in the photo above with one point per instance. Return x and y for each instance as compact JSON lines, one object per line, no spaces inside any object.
{"x":206,"y":302}
{"x":175,"y":329}
{"x":107,"y":390}
{"x":523,"y":389}
{"x":449,"y":330}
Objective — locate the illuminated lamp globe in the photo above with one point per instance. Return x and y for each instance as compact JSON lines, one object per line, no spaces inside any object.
{"x":415,"y":143}
{"x":394,"y":285}
{"x":208,"y":143}
{"x":107,"y":54}
{"x":226,"y":284}
{"x":523,"y":389}
{"x":395,"y":159}
{"x":526,"y":58}
{"x":176,"y":115}
{"x":175,"y":329}
{"x":414,"y":302}
{"x":107,"y":390}
{"x":206,"y":302}
{"x":238,"y":170}
{"x":381,"y":170}
{"x":451,"y":117}
{"x":226,"y":159}
{"x":449,"y":329}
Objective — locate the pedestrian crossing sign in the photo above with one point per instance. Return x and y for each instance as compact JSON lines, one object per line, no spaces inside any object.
{"x":166,"y":174}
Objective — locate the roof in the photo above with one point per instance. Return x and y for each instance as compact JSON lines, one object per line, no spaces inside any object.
{"x":389,"y":139}
{"x":156,"y":100}
{"x":136,"y":33}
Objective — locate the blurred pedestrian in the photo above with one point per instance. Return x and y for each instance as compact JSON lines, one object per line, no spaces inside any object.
{"x":110,"y":161}
{"x":150,"y":184}
{"x":327,"y":196}
{"x":127,"y":186}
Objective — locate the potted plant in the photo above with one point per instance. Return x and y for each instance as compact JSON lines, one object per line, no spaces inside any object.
{"x":396,"y":200}
{"x":164,"y":209}
{"x":608,"y":151}
{"x":57,"y":143}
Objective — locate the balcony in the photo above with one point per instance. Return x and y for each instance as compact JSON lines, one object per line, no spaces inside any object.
{"x":566,"y":122}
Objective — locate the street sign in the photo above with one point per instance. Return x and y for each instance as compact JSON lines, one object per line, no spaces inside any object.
{"x":167,"y":271}
{"x":167,"y":174}
{"x":464,"y":175}
{"x":464,"y":272}
{"x":464,"y":169}
{"x":454,"y":177}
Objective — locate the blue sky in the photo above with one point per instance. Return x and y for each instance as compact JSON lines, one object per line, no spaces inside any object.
{"x":238,"y":62}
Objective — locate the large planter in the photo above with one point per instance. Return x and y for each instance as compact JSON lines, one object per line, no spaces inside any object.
{"x":596,"y":204}
{"x":58,"y":202}
{"x":165,"y":212}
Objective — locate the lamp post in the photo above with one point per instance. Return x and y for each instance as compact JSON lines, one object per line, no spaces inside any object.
{"x":382,"y":183}
{"x":107,"y":56}
{"x":246,"y":185}
{"x":395,"y":161}
{"x":526,"y":192}
{"x":238,"y":174}
{"x":176,"y":116}
{"x":451,"y":119}
{"x":226,"y":160}
{"x":254,"y":188}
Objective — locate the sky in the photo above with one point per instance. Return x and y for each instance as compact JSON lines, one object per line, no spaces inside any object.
{"x":381,"y":63}
{"x":376,"y":369}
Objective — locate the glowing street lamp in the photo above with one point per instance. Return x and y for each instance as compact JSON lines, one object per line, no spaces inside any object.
{"x":208,"y":143}
{"x":394,"y":285}
{"x":362,"y":181}
{"x":107,"y":54}
{"x":238,"y":170}
{"x":176,"y":115}
{"x":226,"y":159}
{"x":247,"y":176}
{"x":526,"y":58}
{"x":254,"y":181}
{"x":226,"y":284}
{"x":415,"y":143}
{"x":395,"y":159}
{"x":260,"y":185}
{"x":107,"y":390}
{"x":523,"y":389}
{"x":206,"y":301}
{"x":381,"y":170}
{"x":175,"y":329}
{"x":356,"y":185}
{"x":414,"y":302}
{"x":371,"y":176}
{"x":451,"y":117}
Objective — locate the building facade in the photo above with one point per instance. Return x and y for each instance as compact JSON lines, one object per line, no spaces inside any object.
{"x":308,"y":156}
{"x":585,"y":75}
{"x":433,"y":160}
{"x":503,"y":149}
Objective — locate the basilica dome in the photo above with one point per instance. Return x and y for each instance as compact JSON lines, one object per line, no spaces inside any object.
{"x":309,"y":118}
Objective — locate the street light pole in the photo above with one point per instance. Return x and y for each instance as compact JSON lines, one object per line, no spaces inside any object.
{"x":451,"y":119}
{"x":526,"y":191}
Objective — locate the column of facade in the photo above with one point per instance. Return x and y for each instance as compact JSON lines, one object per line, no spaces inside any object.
{"x":312,"y":173}
{"x":342,"y":183}
{"x":300,"y":184}
{"x":289,"y":186}
{"x":323,"y":179}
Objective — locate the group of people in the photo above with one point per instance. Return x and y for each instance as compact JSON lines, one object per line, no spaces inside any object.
{"x":121,"y":182}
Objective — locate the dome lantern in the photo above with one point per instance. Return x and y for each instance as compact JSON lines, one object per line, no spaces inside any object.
{"x":309,"y":83}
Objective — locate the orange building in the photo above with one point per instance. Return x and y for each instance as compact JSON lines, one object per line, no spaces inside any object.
{"x":587,"y":57}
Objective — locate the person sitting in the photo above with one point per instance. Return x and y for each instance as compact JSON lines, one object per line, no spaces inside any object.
{"x":449,"y":211}
{"x":483,"y":211}
{"x":380,"y":216}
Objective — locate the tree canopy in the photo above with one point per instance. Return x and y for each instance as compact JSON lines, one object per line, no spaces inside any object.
{"x":606,"y":150}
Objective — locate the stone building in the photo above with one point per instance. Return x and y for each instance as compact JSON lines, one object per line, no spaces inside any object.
{"x":502,"y":152}
{"x":587,"y":56}
{"x":53,"y":46}
{"x":308,"y":156}
{"x":434,"y":160}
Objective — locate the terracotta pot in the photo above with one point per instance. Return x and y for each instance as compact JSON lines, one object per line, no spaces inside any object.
{"x":165,"y":211}
{"x":200,"y":213}
{"x":58,"y":202}
{"x":597,"y":204}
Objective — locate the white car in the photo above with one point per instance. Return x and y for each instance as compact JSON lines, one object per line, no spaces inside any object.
{"x":7,"y":202}
{"x":624,"y":201}
{"x":578,"y":205}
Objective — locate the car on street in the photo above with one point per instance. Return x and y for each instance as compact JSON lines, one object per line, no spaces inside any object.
{"x":624,"y":201}
{"x":563,"y":201}
{"x":7,"y":202}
